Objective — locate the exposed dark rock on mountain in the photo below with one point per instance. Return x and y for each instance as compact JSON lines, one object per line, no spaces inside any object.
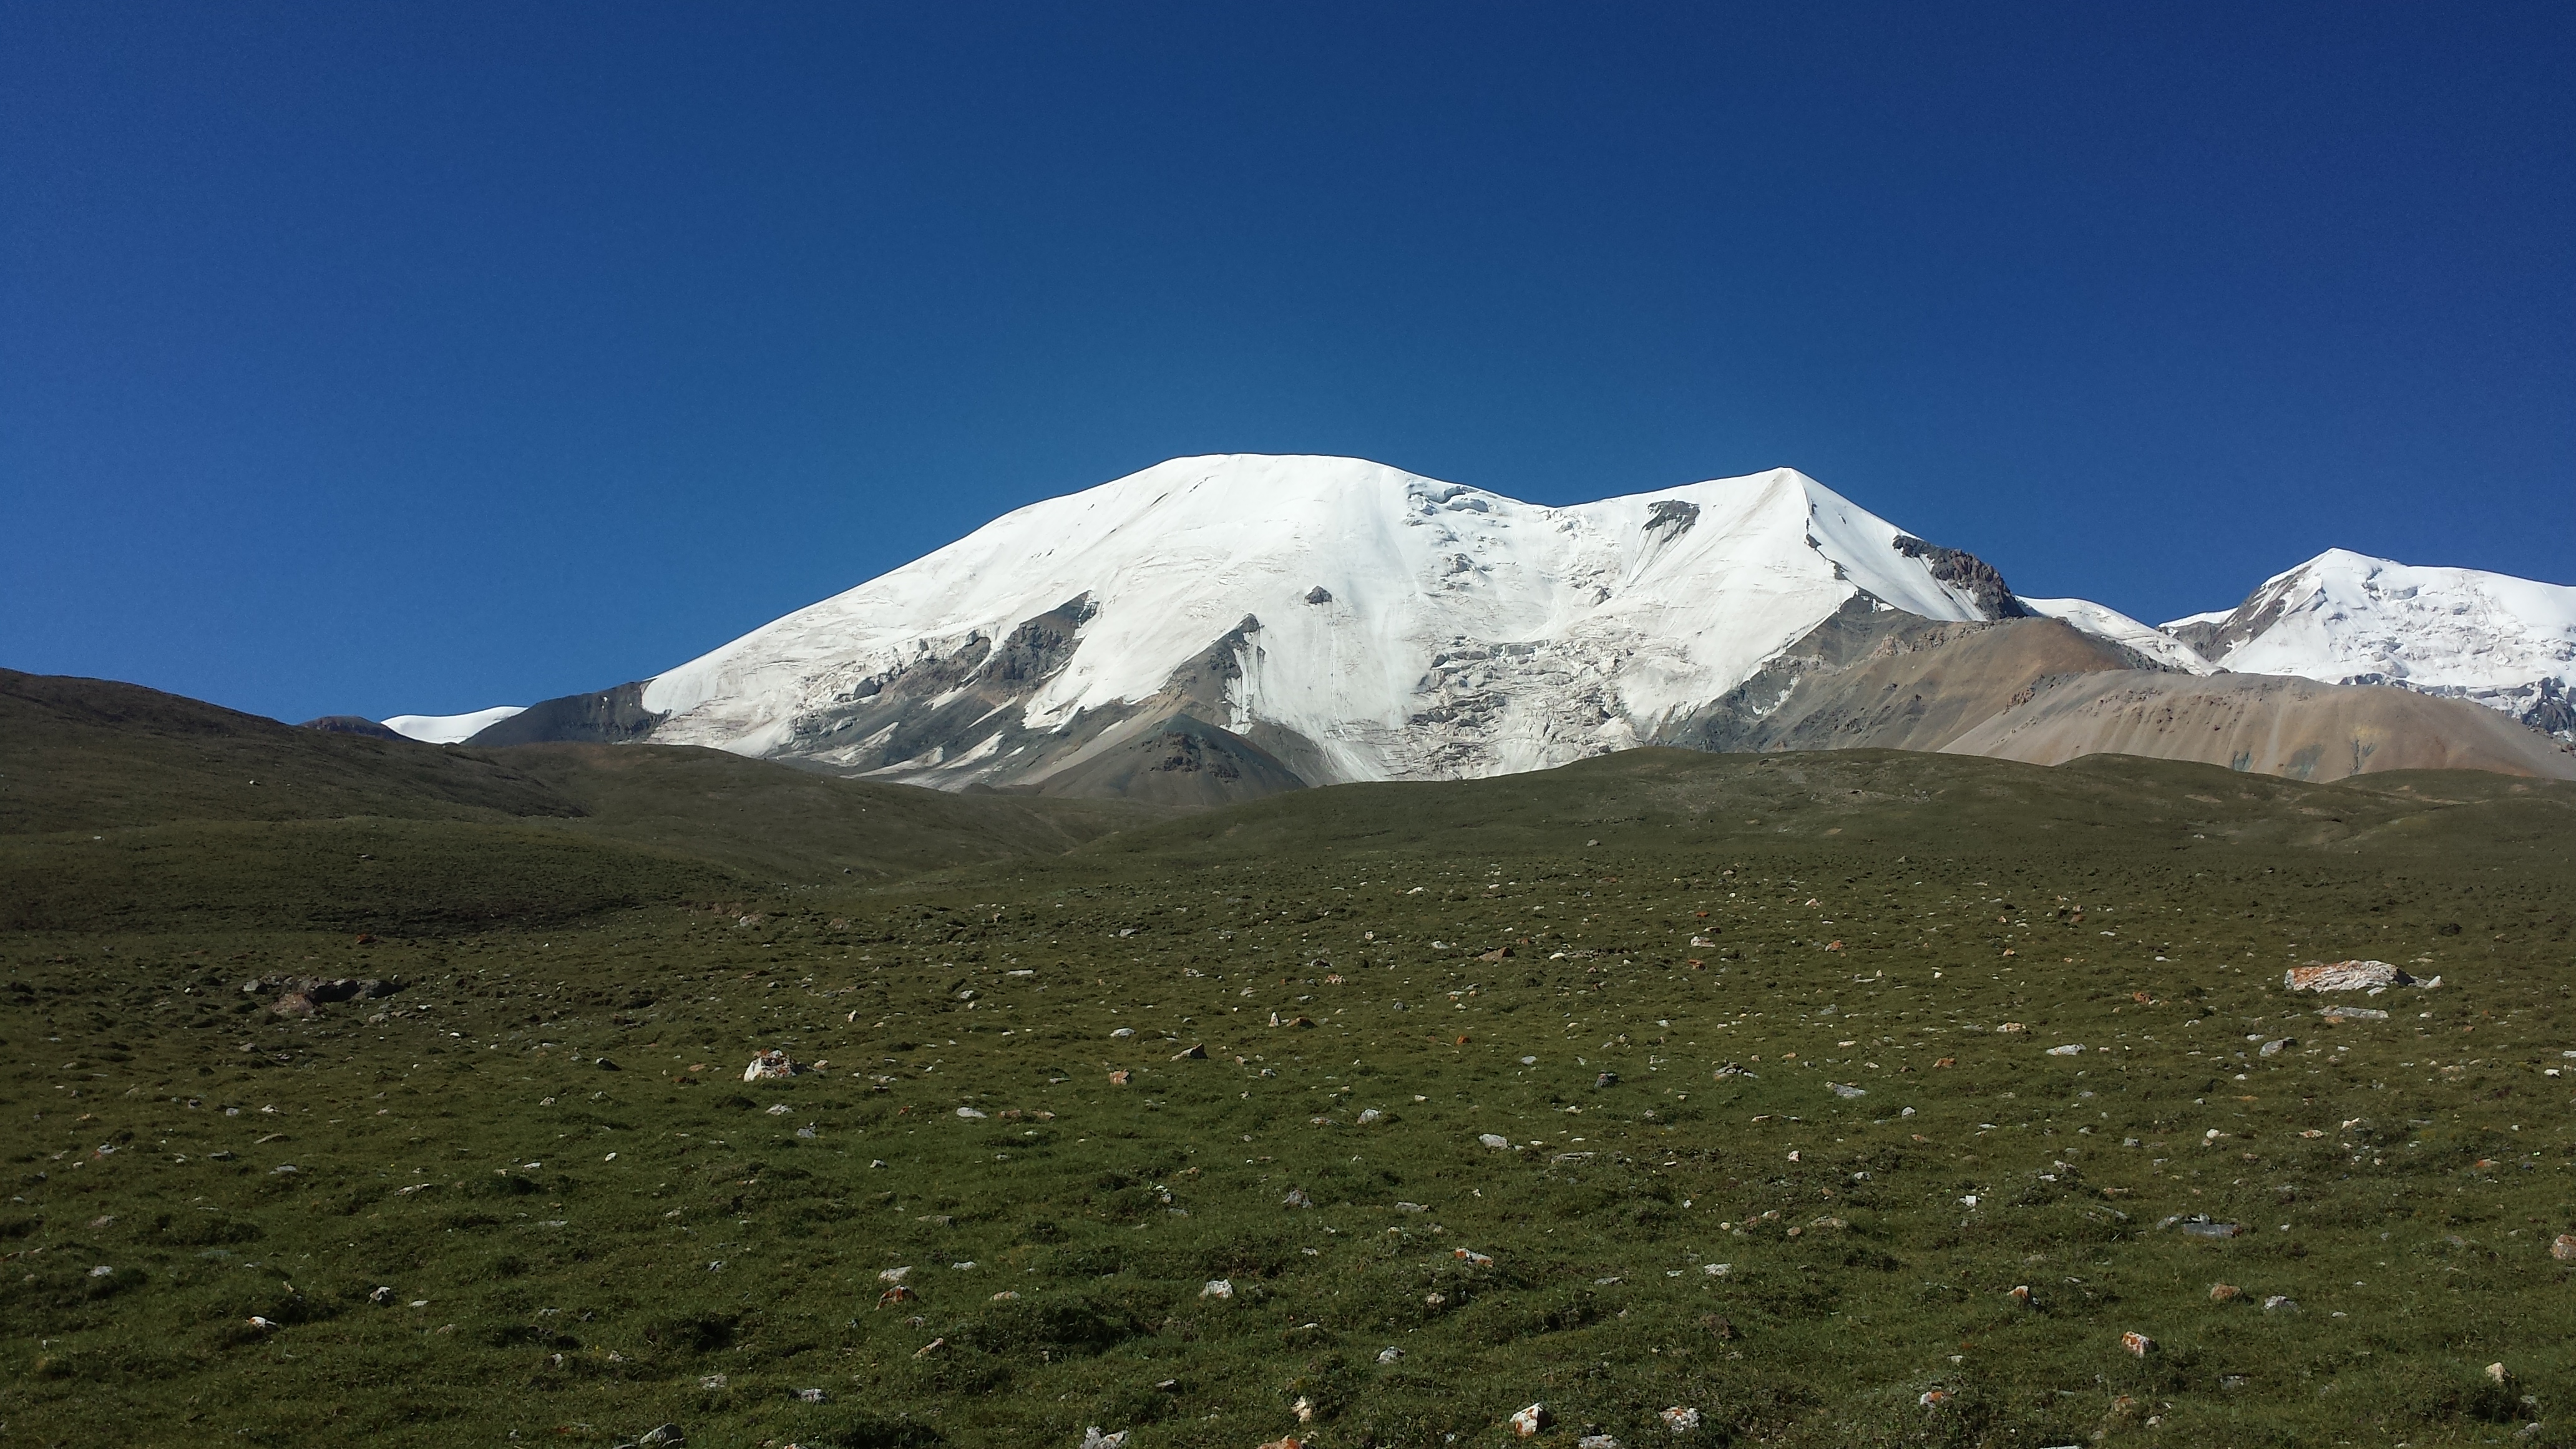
{"x":613,"y":716}
{"x":1179,"y":760}
{"x":1967,"y":573}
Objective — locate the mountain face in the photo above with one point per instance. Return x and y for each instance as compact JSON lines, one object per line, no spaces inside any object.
{"x":1354,"y":621}
{"x":2347,"y":618}
{"x":1220,"y":628}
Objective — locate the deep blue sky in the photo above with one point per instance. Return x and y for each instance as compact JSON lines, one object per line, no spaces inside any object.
{"x":372,"y":358}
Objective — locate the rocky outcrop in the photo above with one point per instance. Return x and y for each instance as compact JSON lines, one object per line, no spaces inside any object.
{"x":609,"y":717}
{"x":1179,"y":760}
{"x":1967,"y":573}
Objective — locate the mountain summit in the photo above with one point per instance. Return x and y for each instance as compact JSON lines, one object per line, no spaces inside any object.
{"x":2347,"y":618}
{"x":1358,"y":621}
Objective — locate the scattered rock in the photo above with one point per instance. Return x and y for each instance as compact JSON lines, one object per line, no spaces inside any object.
{"x":1679,"y":1419}
{"x":1370,"y":1116}
{"x":1304,"y":1409}
{"x":2564,"y":1249}
{"x":605,"y":1065}
{"x":262,"y":1324}
{"x":2280,"y":1303}
{"x":1092,"y":1438}
{"x":2345,"y":976}
{"x":1122,"y":1033}
{"x":1596,"y":1441}
{"x":2012,"y":1026}
{"x":894,"y":1295}
{"x":1389,"y":1354}
{"x":809,"y":1396}
{"x":2275,"y":1047}
{"x":381,"y":1297}
{"x":2496,"y":1373}
{"x":1218,"y":1288}
{"x":1120,"y":1078}
{"x":769,"y":1066}
{"x":2071,"y":1049}
{"x":1290,"y":1442}
{"x":1499,"y":953}
{"x":1606,"y":1079}
{"x":2138,"y":1344}
{"x":1297,"y":1198}
{"x":2352,"y":1013}
{"x":1530,"y":1421}
{"x":2225,"y":1292}
{"x":1412,"y":1207}
{"x":2201,"y":1227}
{"x":927,"y":1349}
{"x":1846,"y":1090}
{"x":714,"y":1382}
{"x":1474,"y":1259}
{"x":668,"y":1436}
{"x":970,"y":1114}
{"x":1190,"y":1054}
{"x":1494,"y":1141}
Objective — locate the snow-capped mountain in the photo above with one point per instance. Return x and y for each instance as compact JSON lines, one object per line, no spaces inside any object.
{"x":2348,"y":618}
{"x":1358,"y":621}
{"x":1220,"y":627}
{"x":2111,"y":624}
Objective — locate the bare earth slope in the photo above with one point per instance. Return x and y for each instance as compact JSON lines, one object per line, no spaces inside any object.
{"x":1875,"y":678}
{"x":2269,"y":724}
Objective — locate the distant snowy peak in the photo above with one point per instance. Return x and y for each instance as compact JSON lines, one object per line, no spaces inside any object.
{"x":1362,"y":621}
{"x":2348,"y":618}
{"x":2119,"y":628}
{"x":449,"y":729}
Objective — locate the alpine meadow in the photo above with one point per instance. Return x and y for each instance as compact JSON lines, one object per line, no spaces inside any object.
{"x":374,"y":1090}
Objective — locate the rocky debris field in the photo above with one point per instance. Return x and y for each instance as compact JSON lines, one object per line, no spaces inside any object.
{"x":1628,"y":1133}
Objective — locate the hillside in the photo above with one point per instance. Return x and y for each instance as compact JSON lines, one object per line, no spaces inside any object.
{"x":1808,"y":1099}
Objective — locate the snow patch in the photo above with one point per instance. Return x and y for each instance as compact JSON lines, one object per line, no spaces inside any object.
{"x":449,"y":729}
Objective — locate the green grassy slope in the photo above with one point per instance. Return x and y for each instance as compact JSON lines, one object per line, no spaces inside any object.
{"x":784,"y":824}
{"x":1832,"y":1140}
{"x":126,"y":808}
{"x":91,"y":754}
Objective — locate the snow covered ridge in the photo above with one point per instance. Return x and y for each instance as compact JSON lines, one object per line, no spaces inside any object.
{"x":449,"y":729}
{"x":1217,"y":628}
{"x":1361,"y":621}
{"x":2119,"y":628}
{"x":2348,"y":618}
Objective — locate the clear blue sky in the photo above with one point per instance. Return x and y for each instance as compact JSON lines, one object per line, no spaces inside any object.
{"x":373,"y":358}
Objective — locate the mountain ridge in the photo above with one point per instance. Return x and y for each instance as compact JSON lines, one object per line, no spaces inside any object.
{"x":1319,"y":620}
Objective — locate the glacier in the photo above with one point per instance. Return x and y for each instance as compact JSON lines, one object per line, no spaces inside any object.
{"x":1393,"y":626}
